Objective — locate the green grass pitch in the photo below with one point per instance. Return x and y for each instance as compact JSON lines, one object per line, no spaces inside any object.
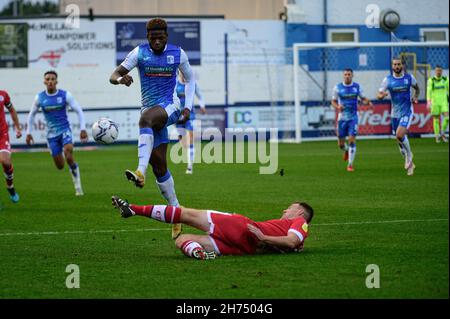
{"x":376,"y":215}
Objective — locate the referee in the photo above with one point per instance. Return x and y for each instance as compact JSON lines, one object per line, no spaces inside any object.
{"x":437,"y":97}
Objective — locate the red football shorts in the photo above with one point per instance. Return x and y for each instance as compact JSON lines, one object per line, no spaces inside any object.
{"x":230,"y":235}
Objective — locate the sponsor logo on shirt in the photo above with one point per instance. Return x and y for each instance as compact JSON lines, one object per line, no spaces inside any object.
{"x":158,"y":71}
{"x":52,"y":108}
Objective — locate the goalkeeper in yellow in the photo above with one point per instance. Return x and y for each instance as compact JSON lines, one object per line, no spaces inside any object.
{"x":437,"y":98}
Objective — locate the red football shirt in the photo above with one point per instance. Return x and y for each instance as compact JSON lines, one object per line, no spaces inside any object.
{"x":5,"y":101}
{"x":282,"y":227}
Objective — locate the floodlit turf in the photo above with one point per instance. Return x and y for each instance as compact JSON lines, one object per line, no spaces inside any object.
{"x":376,"y":215}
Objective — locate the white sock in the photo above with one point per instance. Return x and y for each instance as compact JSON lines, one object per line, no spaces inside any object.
{"x":407,"y":147}
{"x":401,"y":149}
{"x":145,"y":148}
{"x":344,"y":148}
{"x":75,"y":173}
{"x":166,"y":185}
{"x":191,"y":156}
{"x":351,"y":153}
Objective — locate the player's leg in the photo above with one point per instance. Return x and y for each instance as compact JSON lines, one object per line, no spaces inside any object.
{"x":445,"y":121}
{"x":152,"y":119}
{"x":184,"y":138}
{"x":402,"y":138}
{"x":341,"y":134}
{"x":352,"y":132}
{"x":436,"y":110}
{"x":395,"y":123}
{"x":190,"y":142}
{"x":165,"y":213}
{"x":164,"y":179}
{"x":73,"y":168}
{"x":196,"y":246}
{"x":437,"y":128}
{"x":8,"y":170}
{"x":58,"y":159}
{"x":351,"y":152}
{"x":56,"y":151}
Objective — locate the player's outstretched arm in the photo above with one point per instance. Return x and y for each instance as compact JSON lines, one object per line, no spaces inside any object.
{"x":121,"y":76}
{"x":200,"y":98}
{"x":416,"y":93}
{"x":381,"y":95}
{"x":366,"y":101}
{"x":15,"y":119}
{"x":335,"y":104}
{"x":74,"y":105}
{"x":290,"y":241}
{"x":189,"y":88}
{"x":334,"y":100}
{"x":382,"y":92}
{"x":30,"y":121}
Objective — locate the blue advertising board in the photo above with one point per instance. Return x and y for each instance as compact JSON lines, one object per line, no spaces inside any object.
{"x":185,"y":34}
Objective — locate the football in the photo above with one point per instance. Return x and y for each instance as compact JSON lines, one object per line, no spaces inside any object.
{"x":105,"y":131}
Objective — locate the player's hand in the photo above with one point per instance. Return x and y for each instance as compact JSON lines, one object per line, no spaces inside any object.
{"x":415,"y":100}
{"x":203,"y":110}
{"x":382,"y":95}
{"x":126,"y":80}
{"x":18,"y":133}
{"x":256,"y":231}
{"x":340,"y":108}
{"x":429,"y":105}
{"x":83,"y":136}
{"x":185,"y":115}
{"x":29,"y":139}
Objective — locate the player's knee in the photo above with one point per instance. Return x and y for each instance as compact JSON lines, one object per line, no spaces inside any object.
{"x":181,"y":240}
{"x":68,"y":155}
{"x":60,"y":165}
{"x":159,"y":171}
{"x":145,"y":123}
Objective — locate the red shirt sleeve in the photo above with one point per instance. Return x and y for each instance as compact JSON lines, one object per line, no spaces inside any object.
{"x":300,"y":228}
{"x":7,"y":99}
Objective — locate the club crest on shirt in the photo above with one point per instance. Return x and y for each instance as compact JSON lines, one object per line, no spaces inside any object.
{"x":170,"y":59}
{"x":59,"y":99}
{"x":305,"y":228}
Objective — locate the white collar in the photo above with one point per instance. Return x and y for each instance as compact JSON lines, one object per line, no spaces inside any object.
{"x":48,"y":94}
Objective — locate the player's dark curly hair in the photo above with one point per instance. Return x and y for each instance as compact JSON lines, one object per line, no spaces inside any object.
{"x":51,"y":72}
{"x":157,"y":24}
{"x":308,"y":210}
{"x":348,"y":70}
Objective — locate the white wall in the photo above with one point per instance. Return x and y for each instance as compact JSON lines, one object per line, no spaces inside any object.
{"x":345,"y":12}
{"x":256,"y":48}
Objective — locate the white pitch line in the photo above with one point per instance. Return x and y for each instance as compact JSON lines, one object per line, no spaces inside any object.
{"x":82,"y":232}
{"x":384,"y":222}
